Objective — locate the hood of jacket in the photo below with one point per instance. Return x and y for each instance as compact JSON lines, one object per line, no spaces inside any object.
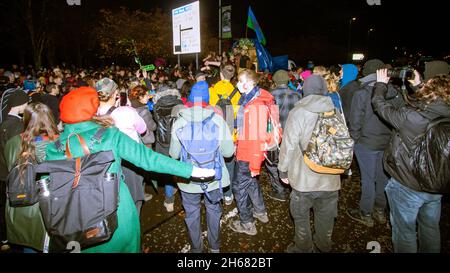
{"x":315,"y":85}
{"x":168,"y":92}
{"x":371,"y":79}
{"x":350,"y":72}
{"x":316,"y":104}
{"x":196,"y":113}
{"x":222,"y":87}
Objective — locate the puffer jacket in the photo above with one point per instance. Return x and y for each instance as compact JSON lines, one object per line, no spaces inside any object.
{"x":299,"y":127}
{"x":149,"y":137}
{"x":254,"y":136}
{"x":409,"y":123}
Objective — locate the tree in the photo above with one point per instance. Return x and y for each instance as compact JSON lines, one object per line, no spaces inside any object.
{"x":36,"y":17}
{"x":119,"y":34}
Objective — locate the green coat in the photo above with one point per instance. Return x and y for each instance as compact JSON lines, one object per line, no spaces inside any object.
{"x":24,"y":225}
{"x":126,"y":238}
{"x":226,"y":148}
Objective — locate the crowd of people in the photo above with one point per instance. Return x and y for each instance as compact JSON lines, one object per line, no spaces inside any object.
{"x":262,"y":119}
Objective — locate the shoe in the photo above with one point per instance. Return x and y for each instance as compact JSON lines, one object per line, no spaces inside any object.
{"x":228,"y":200}
{"x":277,"y":196}
{"x":357,"y":215}
{"x":262,"y":217}
{"x":169,"y":206}
{"x":4,"y":246}
{"x":214,"y":250}
{"x":291,"y":248}
{"x":237,"y":226}
{"x":148,"y":197}
{"x":379,"y":215}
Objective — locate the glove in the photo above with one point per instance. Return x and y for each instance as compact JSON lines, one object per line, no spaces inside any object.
{"x":203,"y":174}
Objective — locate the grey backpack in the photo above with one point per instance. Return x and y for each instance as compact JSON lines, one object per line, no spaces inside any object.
{"x":79,"y":203}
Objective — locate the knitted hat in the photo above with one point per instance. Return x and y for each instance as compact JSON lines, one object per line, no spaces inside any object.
{"x":305,"y":74}
{"x":315,"y":85}
{"x":16,"y":98}
{"x":199,"y":92}
{"x":79,"y":105}
{"x":106,"y":85}
{"x":280,"y":77}
{"x":435,"y":68}
{"x":371,"y":66}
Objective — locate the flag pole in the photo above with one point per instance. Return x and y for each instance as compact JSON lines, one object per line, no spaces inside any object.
{"x":246,"y":30}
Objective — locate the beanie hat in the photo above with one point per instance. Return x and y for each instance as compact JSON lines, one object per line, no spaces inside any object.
{"x":16,"y":98}
{"x":371,"y":66}
{"x":435,"y":68}
{"x":281,"y":77}
{"x":305,"y":74}
{"x":199,"y":92}
{"x":315,"y":85}
{"x":79,"y":105}
{"x":106,"y":85}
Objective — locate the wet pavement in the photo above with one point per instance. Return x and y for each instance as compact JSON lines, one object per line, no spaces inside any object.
{"x":164,"y":232}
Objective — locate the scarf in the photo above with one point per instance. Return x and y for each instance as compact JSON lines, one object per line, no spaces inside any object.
{"x":243,"y":101}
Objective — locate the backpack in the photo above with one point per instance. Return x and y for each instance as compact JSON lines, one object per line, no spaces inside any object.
{"x":165,"y":119}
{"x":430,"y":158}
{"x":330,"y":148}
{"x":79,"y":200}
{"x":225,"y":103}
{"x":200,"y":146}
{"x":22,"y":187}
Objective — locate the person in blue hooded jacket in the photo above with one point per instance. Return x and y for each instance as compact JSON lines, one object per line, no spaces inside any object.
{"x":348,"y":73}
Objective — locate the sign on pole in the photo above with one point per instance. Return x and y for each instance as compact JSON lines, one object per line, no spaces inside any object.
{"x":186,"y":29}
{"x":226,"y":22}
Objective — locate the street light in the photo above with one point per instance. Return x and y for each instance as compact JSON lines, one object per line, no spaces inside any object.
{"x":350,"y":37}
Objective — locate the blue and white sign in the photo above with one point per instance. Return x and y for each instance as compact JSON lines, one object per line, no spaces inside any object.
{"x":186,"y":29}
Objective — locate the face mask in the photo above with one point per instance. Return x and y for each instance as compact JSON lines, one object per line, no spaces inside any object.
{"x":240,"y":86}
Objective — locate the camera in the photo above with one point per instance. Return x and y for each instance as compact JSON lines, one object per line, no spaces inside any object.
{"x":405,"y":72}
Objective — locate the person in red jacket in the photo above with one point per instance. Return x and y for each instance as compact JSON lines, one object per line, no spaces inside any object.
{"x":256,"y":105}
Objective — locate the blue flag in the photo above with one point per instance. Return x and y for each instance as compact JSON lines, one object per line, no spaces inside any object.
{"x":253,"y":24}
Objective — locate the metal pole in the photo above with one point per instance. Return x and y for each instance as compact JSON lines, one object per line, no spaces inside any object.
{"x":179,"y":60}
{"x":220,"y":27}
{"x":196,"y":60}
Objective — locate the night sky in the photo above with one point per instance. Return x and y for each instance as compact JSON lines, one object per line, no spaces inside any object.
{"x":316,"y":30}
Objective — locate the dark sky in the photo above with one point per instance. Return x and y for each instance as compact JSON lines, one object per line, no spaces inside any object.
{"x":318,"y":28}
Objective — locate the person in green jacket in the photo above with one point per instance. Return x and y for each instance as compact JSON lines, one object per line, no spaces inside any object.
{"x":25,"y":226}
{"x":199,"y":110}
{"x":78,"y":112}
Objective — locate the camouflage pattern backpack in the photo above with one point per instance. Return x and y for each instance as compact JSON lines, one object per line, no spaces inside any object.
{"x":330,"y":149}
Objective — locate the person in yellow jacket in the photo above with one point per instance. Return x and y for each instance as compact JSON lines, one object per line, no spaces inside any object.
{"x":224,"y":89}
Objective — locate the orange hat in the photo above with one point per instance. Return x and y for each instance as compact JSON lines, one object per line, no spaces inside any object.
{"x":79,"y":105}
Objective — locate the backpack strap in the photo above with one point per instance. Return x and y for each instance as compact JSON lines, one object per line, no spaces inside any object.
{"x":110,"y":110}
{"x":230,"y":97}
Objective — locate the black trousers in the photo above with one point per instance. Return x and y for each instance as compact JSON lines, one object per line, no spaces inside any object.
{"x":2,"y":210}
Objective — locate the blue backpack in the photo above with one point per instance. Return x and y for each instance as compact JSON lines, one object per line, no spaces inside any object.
{"x":200,"y":146}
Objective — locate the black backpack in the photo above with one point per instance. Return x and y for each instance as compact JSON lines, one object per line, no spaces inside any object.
{"x":165,"y":119}
{"x":430,"y":158}
{"x":225,"y":104}
{"x":22,"y":188}
{"x":81,"y":202}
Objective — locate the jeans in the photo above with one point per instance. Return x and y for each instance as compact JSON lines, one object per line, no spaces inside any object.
{"x":324,"y":205}
{"x":230,"y":163}
{"x":192,"y":206}
{"x":373,"y":179}
{"x":410,"y":209}
{"x":272,"y":169}
{"x":247,"y":193}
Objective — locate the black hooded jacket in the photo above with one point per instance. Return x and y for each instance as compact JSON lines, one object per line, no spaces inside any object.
{"x":408,"y":123}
